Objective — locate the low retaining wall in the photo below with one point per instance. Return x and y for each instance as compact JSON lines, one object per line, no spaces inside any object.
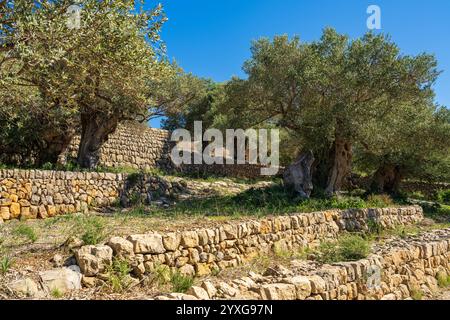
{"x":31,"y":194}
{"x":132,"y":145}
{"x":398,"y":270}
{"x":200,"y":251}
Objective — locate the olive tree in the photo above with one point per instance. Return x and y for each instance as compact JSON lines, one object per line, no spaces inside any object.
{"x":328,"y":93}
{"x":92,"y":76}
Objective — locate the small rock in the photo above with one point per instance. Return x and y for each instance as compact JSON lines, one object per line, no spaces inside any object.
{"x":147,"y":243}
{"x":227,"y":289}
{"x":187,"y":270}
{"x":73,"y":243}
{"x":25,"y":287}
{"x":209,"y":288}
{"x":121,"y":247}
{"x":57,"y":260}
{"x":89,"y":282}
{"x":198,"y":292}
{"x":63,"y":280}
{"x":94,"y":259}
{"x":181,"y":296}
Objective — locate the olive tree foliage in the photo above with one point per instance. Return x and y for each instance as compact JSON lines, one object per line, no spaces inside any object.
{"x":413,"y":144}
{"x":91,"y":77}
{"x":202,"y":107}
{"x":330,"y":93}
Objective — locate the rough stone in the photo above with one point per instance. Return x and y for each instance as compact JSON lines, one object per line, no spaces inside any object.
{"x":147,"y":243}
{"x":63,"y":280}
{"x":94,"y":259}
{"x":121,"y":247}
{"x":198,"y":292}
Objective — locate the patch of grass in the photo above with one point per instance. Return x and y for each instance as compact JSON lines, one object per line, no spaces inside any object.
{"x":353,"y":247}
{"x":416,"y":294}
{"x":161,"y":274}
{"x":375,"y":227}
{"x":25,"y":231}
{"x":443,"y":280}
{"x":93,"y":229}
{"x":379,"y":200}
{"x":328,"y":252}
{"x":5,"y":265}
{"x":273,"y":200}
{"x":118,"y":275}
{"x":348,"y":248}
{"x":56,"y":293}
{"x":404,"y":231}
{"x":181,"y":283}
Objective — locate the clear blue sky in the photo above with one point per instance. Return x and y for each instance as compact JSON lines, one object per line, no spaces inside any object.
{"x":211,"y":38}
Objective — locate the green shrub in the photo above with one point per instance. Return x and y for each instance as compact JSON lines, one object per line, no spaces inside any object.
{"x":47,"y":166}
{"x":56,"y":293}
{"x":119,"y":275}
{"x":353,"y":247}
{"x":181,"y":283}
{"x":374,"y":227}
{"x":443,"y":196}
{"x":379,"y":200}
{"x":94,"y":231}
{"x":328,"y":252}
{"x":5,"y":265}
{"x":416,"y":294}
{"x":347,"y":248}
{"x":443,"y":280}
{"x":25,"y":231}
{"x":162,"y":274}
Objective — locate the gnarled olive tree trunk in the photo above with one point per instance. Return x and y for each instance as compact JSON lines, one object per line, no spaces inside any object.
{"x":333,"y":166}
{"x":298,"y":175}
{"x":387,"y":179}
{"x":95,"y":129}
{"x":55,"y":143}
{"x":341,"y":165}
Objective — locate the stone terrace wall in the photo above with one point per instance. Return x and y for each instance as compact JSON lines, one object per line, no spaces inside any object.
{"x":132,"y":145}
{"x":32,"y":194}
{"x":403,"y":269}
{"x":200,"y":251}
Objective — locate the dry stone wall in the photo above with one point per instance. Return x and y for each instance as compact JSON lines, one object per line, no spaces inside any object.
{"x":199,"y":252}
{"x":137,"y":146}
{"x":399,"y":269}
{"x":132,"y":145}
{"x":32,"y":194}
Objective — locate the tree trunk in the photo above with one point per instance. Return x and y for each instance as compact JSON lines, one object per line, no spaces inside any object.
{"x":387,"y":179}
{"x":95,"y":129}
{"x":341,"y":162}
{"x":55,"y":143}
{"x":333,"y":166}
{"x":298,"y":175}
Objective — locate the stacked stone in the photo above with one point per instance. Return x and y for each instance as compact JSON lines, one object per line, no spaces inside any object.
{"x":32,"y":194}
{"x":132,"y":145}
{"x":407,"y":268}
{"x":198,"y":252}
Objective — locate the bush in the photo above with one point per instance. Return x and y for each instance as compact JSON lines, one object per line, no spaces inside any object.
{"x":443,"y":196}
{"x":353,"y":247}
{"x":118,"y":275}
{"x":181,"y":283}
{"x":443,"y":280}
{"x":329,"y":252}
{"x":379,"y":200}
{"x":347,"y":248}
{"x":5,"y":265}
{"x":94,"y":231}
